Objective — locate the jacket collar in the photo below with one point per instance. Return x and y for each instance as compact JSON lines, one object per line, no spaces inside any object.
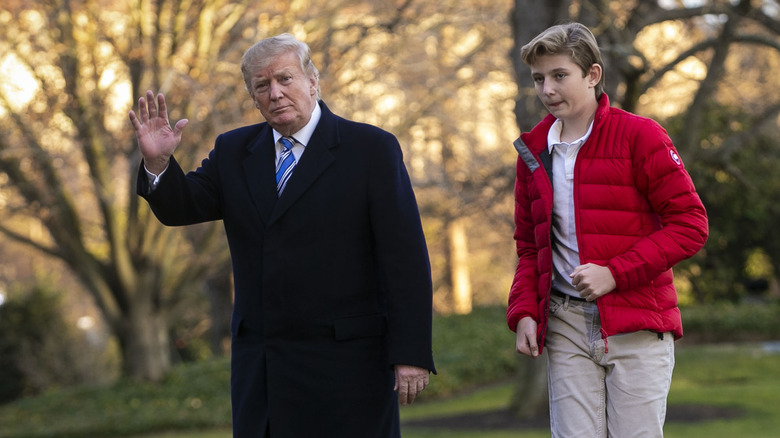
{"x":536,"y":139}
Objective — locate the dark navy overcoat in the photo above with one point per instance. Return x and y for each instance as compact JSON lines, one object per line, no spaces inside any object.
{"x":332,"y":279}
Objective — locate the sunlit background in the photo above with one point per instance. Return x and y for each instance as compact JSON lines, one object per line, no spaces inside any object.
{"x":441,"y":75}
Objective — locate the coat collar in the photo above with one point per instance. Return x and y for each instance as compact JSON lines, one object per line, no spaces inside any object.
{"x":259,"y":166}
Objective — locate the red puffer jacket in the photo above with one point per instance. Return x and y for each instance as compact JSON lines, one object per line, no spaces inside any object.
{"x":637,"y":213}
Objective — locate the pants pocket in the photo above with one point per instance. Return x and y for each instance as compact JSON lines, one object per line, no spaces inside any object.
{"x":555,"y":304}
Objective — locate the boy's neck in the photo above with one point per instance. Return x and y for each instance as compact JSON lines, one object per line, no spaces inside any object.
{"x":573,"y":131}
{"x":575,"y":128}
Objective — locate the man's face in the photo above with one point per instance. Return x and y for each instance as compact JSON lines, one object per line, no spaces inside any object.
{"x":563,"y":88}
{"x":284,"y":94}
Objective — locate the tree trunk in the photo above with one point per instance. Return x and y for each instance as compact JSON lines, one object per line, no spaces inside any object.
{"x":459,"y":267}
{"x":145,"y":344}
{"x":219,"y":289}
{"x":530,"y":399}
{"x":529,"y":18}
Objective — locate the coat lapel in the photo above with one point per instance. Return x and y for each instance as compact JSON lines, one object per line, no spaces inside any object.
{"x":314,"y":161}
{"x":259,"y":171}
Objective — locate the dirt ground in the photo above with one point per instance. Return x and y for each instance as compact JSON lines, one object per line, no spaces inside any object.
{"x":502,"y":419}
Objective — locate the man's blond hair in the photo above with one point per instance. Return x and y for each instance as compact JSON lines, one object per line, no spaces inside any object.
{"x":264,"y":51}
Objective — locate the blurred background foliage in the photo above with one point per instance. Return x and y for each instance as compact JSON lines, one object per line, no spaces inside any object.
{"x":40,"y":350}
{"x":92,"y":287}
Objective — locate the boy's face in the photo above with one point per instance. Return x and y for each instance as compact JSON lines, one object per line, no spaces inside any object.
{"x":561,"y":87}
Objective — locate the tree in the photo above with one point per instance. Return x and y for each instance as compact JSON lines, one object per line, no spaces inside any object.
{"x":436,"y":75}
{"x":687,"y":87}
{"x":68,"y":160}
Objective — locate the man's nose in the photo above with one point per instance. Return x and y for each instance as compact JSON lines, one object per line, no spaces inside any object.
{"x":275,"y":91}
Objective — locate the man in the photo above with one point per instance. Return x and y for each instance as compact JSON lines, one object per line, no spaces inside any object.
{"x":333,"y":295}
{"x":603,"y":210}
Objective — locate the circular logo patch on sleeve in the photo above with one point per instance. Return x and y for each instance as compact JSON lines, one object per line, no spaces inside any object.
{"x":675,"y":157}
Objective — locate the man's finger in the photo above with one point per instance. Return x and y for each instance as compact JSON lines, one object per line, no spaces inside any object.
{"x":180,"y":126}
{"x":134,"y":120}
{"x":420,"y":388}
{"x":403,"y":392}
{"x":143,"y":111}
{"x":162,"y":107}
{"x":152,"y":107}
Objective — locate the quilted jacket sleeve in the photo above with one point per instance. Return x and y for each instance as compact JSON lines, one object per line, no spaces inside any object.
{"x":524,"y":291}
{"x":660,"y":175}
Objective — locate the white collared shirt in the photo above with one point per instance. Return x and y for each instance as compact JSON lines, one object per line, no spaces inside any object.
{"x":301,"y":137}
{"x":565,"y":251}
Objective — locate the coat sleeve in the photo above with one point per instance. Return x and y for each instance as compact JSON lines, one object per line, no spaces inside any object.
{"x":523,"y":294}
{"x":402,"y":257}
{"x":659,"y":173}
{"x":183,"y":199}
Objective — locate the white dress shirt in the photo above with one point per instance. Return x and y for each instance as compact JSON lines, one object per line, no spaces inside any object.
{"x":301,"y":137}
{"x":565,"y":251}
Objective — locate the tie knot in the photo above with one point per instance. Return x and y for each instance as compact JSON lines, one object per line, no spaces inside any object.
{"x":287,"y":142}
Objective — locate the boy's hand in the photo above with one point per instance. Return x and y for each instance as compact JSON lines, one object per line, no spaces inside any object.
{"x":593,"y":281}
{"x":526,"y":337}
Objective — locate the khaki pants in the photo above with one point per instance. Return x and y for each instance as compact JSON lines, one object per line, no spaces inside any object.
{"x":618,"y":394}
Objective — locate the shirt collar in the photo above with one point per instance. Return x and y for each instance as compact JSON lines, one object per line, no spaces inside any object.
{"x":554,"y":135}
{"x":304,"y":135}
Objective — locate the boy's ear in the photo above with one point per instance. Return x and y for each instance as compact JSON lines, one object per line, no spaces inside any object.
{"x":594,"y":75}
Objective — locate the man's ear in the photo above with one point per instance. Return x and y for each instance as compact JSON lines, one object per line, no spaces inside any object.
{"x":314,"y":82}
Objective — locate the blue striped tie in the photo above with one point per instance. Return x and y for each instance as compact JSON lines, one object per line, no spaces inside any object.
{"x":286,"y":163}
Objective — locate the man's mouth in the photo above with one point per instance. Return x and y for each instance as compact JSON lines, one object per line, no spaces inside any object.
{"x":279,"y":109}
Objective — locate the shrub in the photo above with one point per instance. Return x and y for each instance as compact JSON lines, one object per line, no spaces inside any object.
{"x":728,"y":322}
{"x":38,"y":349}
{"x":470,"y":350}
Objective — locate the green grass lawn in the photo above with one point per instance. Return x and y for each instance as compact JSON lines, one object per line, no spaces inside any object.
{"x":741,"y":378}
{"x":745,"y":378}
{"x":475,"y":363}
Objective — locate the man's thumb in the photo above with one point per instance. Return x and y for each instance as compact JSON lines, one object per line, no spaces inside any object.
{"x":179,"y":127}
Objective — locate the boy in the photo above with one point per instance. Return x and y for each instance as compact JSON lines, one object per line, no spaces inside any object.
{"x":603,"y":209}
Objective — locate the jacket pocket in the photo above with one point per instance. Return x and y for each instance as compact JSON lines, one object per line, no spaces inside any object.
{"x":359,"y":327}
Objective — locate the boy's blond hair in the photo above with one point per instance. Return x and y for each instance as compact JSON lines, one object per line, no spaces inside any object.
{"x":573,"y":39}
